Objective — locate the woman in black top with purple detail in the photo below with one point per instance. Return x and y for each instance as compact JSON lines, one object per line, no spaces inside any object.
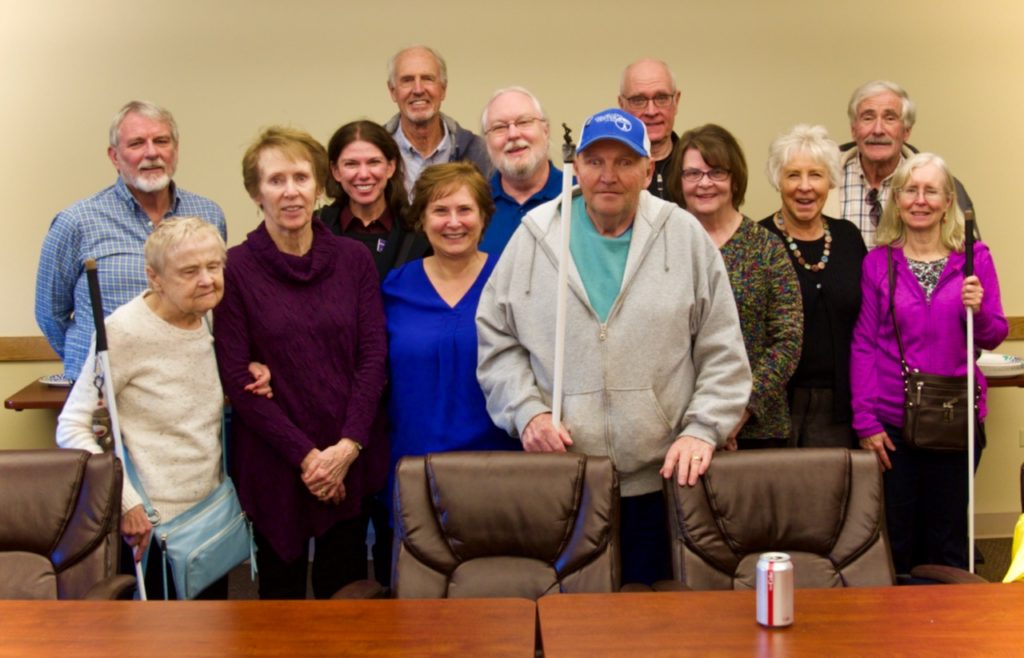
{"x":370,"y":199}
{"x":370,"y":206}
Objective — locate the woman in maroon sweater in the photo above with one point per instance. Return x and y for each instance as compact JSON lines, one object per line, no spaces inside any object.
{"x":307,"y":304}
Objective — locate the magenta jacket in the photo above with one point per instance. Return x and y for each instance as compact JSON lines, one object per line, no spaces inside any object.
{"x":934,"y":333}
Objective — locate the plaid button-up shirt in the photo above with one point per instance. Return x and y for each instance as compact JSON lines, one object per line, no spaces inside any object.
{"x":854,"y":202}
{"x":110,"y":227}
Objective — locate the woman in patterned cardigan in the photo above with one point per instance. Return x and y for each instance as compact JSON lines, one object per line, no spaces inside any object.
{"x":708,"y":177}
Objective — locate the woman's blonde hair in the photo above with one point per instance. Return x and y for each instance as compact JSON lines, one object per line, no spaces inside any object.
{"x":296,"y":145}
{"x":171,"y":233}
{"x":892,"y":230}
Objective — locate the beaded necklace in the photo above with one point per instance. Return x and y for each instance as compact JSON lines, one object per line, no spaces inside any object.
{"x":795,"y":250}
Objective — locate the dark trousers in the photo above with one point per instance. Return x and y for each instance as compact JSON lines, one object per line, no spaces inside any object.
{"x":339,"y":559}
{"x":375,"y":509}
{"x":154,"y":576}
{"x":761,"y":444}
{"x":645,"y":544}
{"x":926,"y":504}
{"x":812,"y":412}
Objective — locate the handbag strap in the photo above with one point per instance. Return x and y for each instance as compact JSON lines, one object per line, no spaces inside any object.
{"x":892,"y":309}
{"x":154,"y":516}
{"x":151,"y":513}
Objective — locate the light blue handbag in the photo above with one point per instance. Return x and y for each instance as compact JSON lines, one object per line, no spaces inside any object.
{"x":205,"y":542}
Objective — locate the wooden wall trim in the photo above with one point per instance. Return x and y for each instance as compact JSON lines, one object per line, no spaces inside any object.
{"x":26,"y":348}
{"x":35,"y":348}
{"x":1016,"y":328}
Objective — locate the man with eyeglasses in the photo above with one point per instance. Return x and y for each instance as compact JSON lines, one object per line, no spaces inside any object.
{"x":656,"y":375}
{"x":418,"y":82}
{"x":516,"y":131}
{"x":648,"y":92}
{"x":881,"y":117}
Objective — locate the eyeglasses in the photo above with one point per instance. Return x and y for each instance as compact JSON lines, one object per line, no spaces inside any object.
{"x":716,"y":174}
{"x":501,"y":129}
{"x":913,"y":192}
{"x":875,"y":212}
{"x":639,"y":102}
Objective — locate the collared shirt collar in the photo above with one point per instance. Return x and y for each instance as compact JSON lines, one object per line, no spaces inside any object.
{"x":407,"y":147}
{"x":552,"y":187}
{"x":382,"y":224}
{"x":125,"y":194}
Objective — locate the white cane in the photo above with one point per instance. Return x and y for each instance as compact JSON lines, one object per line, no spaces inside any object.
{"x":968,"y":271}
{"x":102,"y":357}
{"x":562,"y":299}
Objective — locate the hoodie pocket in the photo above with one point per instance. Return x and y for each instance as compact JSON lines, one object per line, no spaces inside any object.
{"x":584,"y":416}
{"x":627,"y":425}
{"x":639,"y":431}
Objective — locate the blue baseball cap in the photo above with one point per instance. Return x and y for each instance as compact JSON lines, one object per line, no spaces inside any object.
{"x":618,"y":125}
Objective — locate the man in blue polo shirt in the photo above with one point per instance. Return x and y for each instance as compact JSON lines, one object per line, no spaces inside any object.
{"x":516,"y":132}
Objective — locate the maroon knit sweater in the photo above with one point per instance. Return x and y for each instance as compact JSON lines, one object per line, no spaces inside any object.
{"x":317,"y":322}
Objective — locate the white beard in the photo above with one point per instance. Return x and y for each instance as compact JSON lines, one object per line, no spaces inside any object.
{"x":519,"y":169}
{"x":149,"y":184}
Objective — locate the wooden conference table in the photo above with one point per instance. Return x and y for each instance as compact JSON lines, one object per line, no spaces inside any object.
{"x":463,"y":627}
{"x":936,"y":620}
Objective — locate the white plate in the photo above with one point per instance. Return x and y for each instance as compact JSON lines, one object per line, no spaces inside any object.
{"x":997,"y":365}
{"x":56,"y":380}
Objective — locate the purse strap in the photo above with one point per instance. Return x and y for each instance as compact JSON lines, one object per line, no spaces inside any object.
{"x":151,"y":513}
{"x":892,"y":309}
{"x":154,"y":516}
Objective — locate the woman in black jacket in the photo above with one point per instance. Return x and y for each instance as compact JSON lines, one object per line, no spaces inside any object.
{"x":370,"y":200}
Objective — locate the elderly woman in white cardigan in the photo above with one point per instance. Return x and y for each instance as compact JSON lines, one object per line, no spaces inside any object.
{"x":165,"y":379}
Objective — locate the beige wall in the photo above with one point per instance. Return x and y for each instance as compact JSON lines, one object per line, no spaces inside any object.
{"x":228,"y":67}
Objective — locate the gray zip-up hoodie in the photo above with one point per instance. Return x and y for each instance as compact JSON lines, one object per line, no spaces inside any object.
{"x":668,"y":362}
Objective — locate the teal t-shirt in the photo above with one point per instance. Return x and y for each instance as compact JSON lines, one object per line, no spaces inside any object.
{"x":601,"y":261}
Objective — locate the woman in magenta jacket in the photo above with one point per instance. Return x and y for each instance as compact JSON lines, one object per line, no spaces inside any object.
{"x":923,"y":229}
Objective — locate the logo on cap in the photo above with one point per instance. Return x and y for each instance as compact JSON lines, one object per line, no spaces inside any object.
{"x":621,"y":122}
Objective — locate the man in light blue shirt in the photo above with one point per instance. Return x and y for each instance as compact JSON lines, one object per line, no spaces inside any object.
{"x":111,"y":227}
{"x":516,"y":130}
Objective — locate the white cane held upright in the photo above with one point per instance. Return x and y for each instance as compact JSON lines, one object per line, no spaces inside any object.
{"x":562,"y":299}
{"x":103,"y":359}
{"x":968,"y":271}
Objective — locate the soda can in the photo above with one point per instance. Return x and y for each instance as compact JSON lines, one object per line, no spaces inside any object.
{"x":774,"y":590}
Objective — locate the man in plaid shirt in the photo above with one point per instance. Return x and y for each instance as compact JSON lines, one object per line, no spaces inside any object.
{"x":111,"y":227}
{"x":881,"y":118}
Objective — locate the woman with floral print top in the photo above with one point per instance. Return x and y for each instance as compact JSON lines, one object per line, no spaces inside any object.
{"x":708,"y":177}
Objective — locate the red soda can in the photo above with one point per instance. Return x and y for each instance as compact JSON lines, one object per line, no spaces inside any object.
{"x":774,"y":590}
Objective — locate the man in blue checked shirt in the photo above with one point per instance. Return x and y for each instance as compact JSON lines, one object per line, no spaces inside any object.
{"x":111,"y":227}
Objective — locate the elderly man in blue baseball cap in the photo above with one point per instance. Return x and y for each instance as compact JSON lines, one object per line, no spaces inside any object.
{"x":656,"y":374}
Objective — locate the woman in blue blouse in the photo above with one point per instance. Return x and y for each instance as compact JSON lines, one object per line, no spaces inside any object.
{"x":436,"y":404}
